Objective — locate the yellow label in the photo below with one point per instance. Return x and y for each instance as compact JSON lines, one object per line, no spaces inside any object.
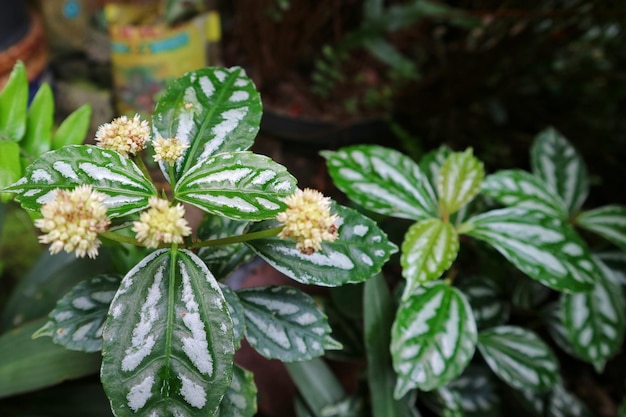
{"x":213,"y":27}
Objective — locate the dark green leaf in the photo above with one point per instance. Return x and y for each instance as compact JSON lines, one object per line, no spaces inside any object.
{"x":607,"y":221}
{"x":555,"y":403}
{"x":489,"y":305}
{"x":214,"y":110}
{"x":478,"y":392}
{"x":76,"y":322}
{"x":359,"y":252}
{"x":39,"y":122}
{"x":73,"y":129}
{"x":106,"y":171}
{"x":168,"y":340}
{"x":240,"y":398}
{"x":283,"y":323}
{"x":235,"y":309}
{"x":237,"y":185}
{"x":382,"y":180}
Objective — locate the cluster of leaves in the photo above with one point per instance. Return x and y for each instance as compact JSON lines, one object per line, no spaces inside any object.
{"x":168,"y":329}
{"x":445,"y":314}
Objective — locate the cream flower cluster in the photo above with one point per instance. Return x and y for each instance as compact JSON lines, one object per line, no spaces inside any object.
{"x":168,"y":150}
{"x":308,"y":221}
{"x":72,"y":221}
{"x":161,"y":224}
{"x":123,"y":135}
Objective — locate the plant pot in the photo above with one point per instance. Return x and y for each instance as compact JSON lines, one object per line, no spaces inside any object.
{"x":14,"y":22}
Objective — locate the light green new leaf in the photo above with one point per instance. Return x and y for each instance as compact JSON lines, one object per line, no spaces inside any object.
{"x":73,"y":130}
{"x":382,"y":180}
{"x":607,"y":221}
{"x":168,"y":340}
{"x":222,"y":260}
{"x":214,"y":110}
{"x":520,"y":188}
{"x":240,"y":398}
{"x":10,"y":166}
{"x":433,"y":338}
{"x":378,"y":318}
{"x":459,"y":181}
{"x":489,"y":305}
{"x":78,"y":318}
{"x":543,"y":247}
{"x":284,"y":323}
{"x":13,"y":105}
{"x":432,"y":162}
{"x":428,"y":249}
{"x":359,"y":252}
{"x":39,"y":123}
{"x":519,"y":357}
{"x":595,"y":321}
{"x":237,"y":185}
{"x":559,"y":165}
{"x":106,"y":171}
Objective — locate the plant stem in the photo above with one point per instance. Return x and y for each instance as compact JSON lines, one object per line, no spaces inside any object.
{"x":120,"y":238}
{"x":142,"y":167}
{"x":238,"y":239}
{"x":170,"y":173}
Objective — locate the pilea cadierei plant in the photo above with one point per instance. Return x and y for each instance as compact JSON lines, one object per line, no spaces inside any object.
{"x":447,"y":317}
{"x":169,"y":328}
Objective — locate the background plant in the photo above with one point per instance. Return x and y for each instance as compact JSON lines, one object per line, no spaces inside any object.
{"x":168,"y":329}
{"x":452,"y":306}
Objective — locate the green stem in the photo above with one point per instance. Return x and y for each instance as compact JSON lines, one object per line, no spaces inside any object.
{"x":240,"y":238}
{"x":142,"y":167}
{"x":170,"y":173}
{"x":120,"y":238}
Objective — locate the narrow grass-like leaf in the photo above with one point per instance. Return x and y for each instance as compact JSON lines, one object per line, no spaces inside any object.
{"x":235,"y":309}
{"x":10,"y":166}
{"x":459,"y":181}
{"x":106,"y":171}
{"x":73,"y":130}
{"x":519,"y":357}
{"x":168,"y":340}
{"x":360,"y":252}
{"x":240,"y":398}
{"x":214,"y":110}
{"x":595,"y":321}
{"x":560,"y":166}
{"x":520,"y":188}
{"x":607,"y":221}
{"x":78,"y":318}
{"x":222,"y":260}
{"x":39,"y":122}
{"x":543,"y":247}
{"x":428,"y":249}
{"x":283,"y":323}
{"x":378,"y":319}
{"x":489,"y":305}
{"x":433,"y":338}
{"x":237,"y":185}
{"x":382,"y":180}
{"x":13,"y":104}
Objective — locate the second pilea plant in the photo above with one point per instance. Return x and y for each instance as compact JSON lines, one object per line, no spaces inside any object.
{"x":168,"y":329}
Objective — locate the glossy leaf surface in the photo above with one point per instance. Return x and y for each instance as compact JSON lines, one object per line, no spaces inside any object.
{"x":607,"y":221}
{"x":433,"y":338}
{"x":519,"y":357}
{"x":459,"y":181}
{"x":214,"y":110}
{"x":106,"y":171}
{"x":237,"y":185}
{"x":78,"y":318}
{"x":543,"y":247}
{"x":240,"y":397}
{"x":360,"y":252}
{"x":283,"y":323}
{"x":382,"y":180}
{"x":168,"y":340}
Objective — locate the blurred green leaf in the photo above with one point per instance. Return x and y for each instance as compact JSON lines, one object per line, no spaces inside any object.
{"x":39,"y":123}
{"x":73,"y":129}
{"x":13,"y":104}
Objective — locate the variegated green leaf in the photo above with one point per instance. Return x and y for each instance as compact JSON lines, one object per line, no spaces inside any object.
{"x":595,"y":321}
{"x":240,"y":398}
{"x":359,"y":252}
{"x":543,"y":247}
{"x":520,"y":188}
{"x":222,"y":259}
{"x":559,"y":165}
{"x":607,"y":221}
{"x":553,"y":319}
{"x":489,"y":305}
{"x":616,"y":262}
{"x":235,"y":309}
{"x":519,"y":357}
{"x":459,"y":181}
{"x":478,"y":392}
{"x":214,"y":110}
{"x":444,"y":401}
{"x":78,"y":318}
{"x":106,"y":171}
{"x":432,"y":162}
{"x":284,"y":323}
{"x":382,"y":180}
{"x":428,"y":250}
{"x":237,"y":185}
{"x":557,"y":402}
{"x":168,"y":340}
{"x":433,"y":338}
{"x":529,"y":293}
